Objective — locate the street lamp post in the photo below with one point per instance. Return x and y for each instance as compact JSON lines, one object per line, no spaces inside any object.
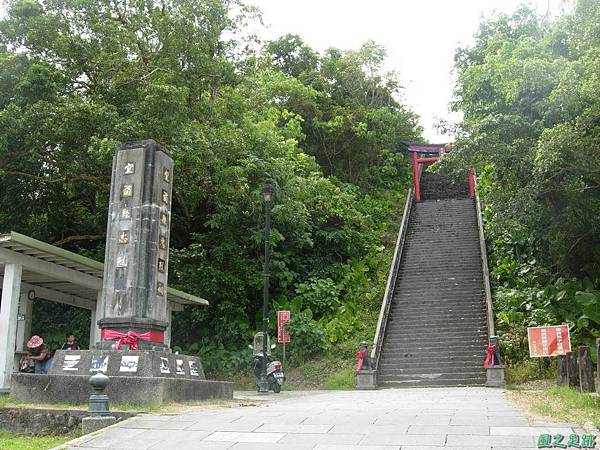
{"x":267,"y":194}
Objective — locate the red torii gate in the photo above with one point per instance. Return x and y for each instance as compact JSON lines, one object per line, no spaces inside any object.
{"x":427,"y":154}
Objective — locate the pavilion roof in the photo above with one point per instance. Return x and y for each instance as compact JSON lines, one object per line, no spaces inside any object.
{"x":55,"y":270}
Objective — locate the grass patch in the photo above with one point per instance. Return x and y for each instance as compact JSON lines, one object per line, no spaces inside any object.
{"x":560,"y":403}
{"x":344,"y":380}
{"x":322,"y":373}
{"x":11,"y":441}
{"x":529,"y":370}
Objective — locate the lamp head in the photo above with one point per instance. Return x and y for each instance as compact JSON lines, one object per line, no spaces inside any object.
{"x":268,"y":191}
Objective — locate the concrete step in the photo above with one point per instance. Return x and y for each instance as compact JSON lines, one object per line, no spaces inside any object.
{"x":439,"y":308}
{"x":438,"y":320}
{"x":432,"y":298}
{"x":438,"y":292}
{"x":467,"y":358}
{"x":440,"y":324}
{"x":410,"y":312}
{"x":420,"y":384}
{"x":434,"y":340}
{"x":432,"y":376}
{"x":430,"y":368}
{"x":417,"y":372}
{"x":449,"y":347}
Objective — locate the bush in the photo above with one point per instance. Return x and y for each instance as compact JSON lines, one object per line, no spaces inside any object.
{"x":344,"y":380}
{"x":308,"y":336}
{"x":529,"y":370}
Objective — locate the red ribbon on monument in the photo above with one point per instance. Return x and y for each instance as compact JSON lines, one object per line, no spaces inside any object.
{"x":491,"y":349}
{"x":130,"y":338}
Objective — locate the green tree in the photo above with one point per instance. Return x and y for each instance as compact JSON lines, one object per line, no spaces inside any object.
{"x":529,"y":91}
{"x":79,"y":77}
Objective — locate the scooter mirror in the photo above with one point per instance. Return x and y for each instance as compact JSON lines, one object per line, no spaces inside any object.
{"x":250,"y":347}
{"x":273,"y":347}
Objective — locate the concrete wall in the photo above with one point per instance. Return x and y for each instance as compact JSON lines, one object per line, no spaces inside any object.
{"x":39,"y":422}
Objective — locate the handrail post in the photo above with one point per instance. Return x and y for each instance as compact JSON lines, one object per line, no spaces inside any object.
{"x":494,"y":375}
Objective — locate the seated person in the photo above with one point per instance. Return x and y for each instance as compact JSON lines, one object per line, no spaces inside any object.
{"x":39,"y":353}
{"x":70,"y":344}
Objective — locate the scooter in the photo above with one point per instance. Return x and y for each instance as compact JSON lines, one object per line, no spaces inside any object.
{"x":275,"y":375}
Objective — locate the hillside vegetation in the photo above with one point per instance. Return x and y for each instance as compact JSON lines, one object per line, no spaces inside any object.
{"x":77,"y":78}
{"x":530,"y":92}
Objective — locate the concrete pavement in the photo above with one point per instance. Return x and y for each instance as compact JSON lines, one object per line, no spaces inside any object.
{"x":391,"y":419}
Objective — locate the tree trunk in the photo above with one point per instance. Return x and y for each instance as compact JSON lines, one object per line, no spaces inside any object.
{"x":572,"y":372}
{"x":561,"y":379}
{"x":586,"y":371}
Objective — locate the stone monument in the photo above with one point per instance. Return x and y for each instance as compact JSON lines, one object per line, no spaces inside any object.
{"x":137,"y":246}
{"x":133,"y":312}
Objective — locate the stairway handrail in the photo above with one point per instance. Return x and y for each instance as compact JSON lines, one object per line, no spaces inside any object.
{"x":391,"y":282}
{"x":485,"y":269}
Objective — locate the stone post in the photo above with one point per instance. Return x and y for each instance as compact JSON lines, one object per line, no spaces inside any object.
{"x":99,"y":415}
{"x":562,"y":377}
{"x":572,"y":372}
{"x":586,"y":371}
{"x":137,"y":244}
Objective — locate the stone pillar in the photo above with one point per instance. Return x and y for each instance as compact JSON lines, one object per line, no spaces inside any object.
{"x":562,"y":378}
{"x":134,"y":294}
{"x":94,"y":328}
{"x":24,"y":321}
{"x":9,"y":309}
{"x":572,"y":371}
{"x":586,"y":370}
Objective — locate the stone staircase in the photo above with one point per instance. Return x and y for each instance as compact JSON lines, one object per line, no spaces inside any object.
{"x":436,"y":330}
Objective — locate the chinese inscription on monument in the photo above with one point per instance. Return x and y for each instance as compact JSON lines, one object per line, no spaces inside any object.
{"x":136,"y":263}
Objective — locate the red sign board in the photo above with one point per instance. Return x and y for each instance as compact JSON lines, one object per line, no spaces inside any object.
{"x":548,"y":341}
{"x":283,"y":333}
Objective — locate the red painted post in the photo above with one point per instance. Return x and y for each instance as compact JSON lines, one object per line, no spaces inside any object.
{"x":471,"y":183}
{"x":416,"y":177}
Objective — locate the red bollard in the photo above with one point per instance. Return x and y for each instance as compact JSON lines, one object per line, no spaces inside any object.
{"x":361,"y":358}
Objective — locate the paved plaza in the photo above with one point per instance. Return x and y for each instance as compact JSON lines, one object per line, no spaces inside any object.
{"x":392,"y":419}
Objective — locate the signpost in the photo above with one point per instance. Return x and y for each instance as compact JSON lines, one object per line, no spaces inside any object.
{"x":283,"y":332}
{"x":548,"y":341}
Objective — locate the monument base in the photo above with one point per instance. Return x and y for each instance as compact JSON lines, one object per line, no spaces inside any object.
{"x":144,"y":376}
{"x":34,"y":388}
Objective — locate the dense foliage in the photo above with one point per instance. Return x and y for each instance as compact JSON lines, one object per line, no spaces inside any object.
{"x":530,"y":92}
{"x":79,"y":77}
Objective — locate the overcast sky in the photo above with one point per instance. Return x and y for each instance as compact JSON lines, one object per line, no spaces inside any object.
{"x":419,"y":35}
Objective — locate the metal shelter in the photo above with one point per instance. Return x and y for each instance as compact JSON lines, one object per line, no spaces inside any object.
{"x":32,"y":270}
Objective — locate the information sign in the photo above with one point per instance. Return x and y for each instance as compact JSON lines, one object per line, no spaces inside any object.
{"x":283,"y":333}
{"x":548,"y":341}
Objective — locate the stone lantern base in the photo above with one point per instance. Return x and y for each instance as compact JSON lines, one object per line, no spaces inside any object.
{"x":495,"y":377}
{"x":366,"y":380}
